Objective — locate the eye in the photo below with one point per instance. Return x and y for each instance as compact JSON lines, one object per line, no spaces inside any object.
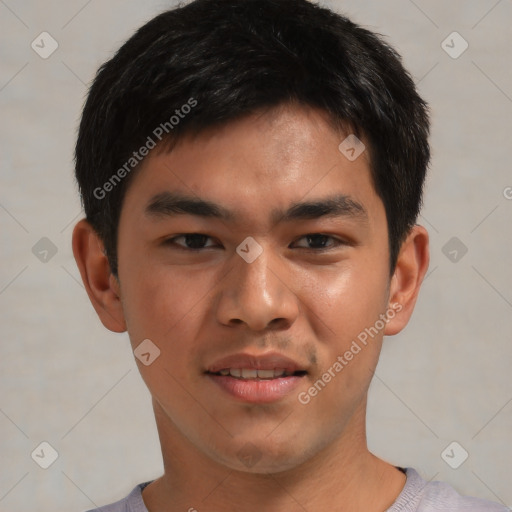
{"x":193,"y":241}
{"x":319,"y":239}
{"x":197,"y":241}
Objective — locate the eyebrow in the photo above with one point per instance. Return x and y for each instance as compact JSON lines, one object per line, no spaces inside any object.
{"x":169,"y":204}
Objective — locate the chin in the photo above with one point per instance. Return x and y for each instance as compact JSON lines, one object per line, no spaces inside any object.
{"x":263,"y":457}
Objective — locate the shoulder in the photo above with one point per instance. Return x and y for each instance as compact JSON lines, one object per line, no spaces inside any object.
{"x":422,"y":496}
{"x":441,"y":496}
{"x":131,"y":503}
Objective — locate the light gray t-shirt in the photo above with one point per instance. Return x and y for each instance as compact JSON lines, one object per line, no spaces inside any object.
{"x":416,"y":496}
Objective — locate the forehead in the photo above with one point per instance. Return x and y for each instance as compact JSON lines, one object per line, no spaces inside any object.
{"x":268,"y":164}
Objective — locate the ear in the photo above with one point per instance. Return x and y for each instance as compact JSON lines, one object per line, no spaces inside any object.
{"x":411,"y":267}
{"x":101,"y":285}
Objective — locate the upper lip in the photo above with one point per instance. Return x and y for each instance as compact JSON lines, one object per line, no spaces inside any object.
{"x":267,"y":361}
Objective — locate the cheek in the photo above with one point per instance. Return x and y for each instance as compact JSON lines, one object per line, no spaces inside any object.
{"x":345,"y":299}
{"x":168,"y":306}
{"x":162,"y":306}
{"x":162,"y":301}
{"x":348,"y":306}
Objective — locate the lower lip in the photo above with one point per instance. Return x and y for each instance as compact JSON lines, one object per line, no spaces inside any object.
{"x":257,"y":391}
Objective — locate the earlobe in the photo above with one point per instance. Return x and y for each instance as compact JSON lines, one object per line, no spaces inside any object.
{"x":410,"y":270}
{"x":101,"y":286}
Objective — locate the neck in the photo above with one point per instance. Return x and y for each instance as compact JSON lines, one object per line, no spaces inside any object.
{"x":343,"y":476}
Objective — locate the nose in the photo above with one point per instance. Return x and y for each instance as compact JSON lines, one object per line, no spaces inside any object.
{"x":258,"y":294}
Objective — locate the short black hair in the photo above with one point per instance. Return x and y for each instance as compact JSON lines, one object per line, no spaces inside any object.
{"x":210,"y":62}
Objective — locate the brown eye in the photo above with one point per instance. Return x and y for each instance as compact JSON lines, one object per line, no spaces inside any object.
{"x":193,"y":241}
{"x":321,"y":241}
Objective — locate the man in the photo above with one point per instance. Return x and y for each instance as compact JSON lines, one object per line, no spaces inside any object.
{"x":251,"y":173}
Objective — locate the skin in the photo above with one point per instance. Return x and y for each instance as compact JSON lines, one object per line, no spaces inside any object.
{"x":295,"y":299}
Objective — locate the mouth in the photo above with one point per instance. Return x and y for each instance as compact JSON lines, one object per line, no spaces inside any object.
{"x":255,"y":374}
{"x":256,"y":379}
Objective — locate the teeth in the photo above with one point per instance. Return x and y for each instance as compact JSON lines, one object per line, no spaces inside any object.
{"x":252,"y":373}
{"x":264,"y":374}
{"x":249,"y":374}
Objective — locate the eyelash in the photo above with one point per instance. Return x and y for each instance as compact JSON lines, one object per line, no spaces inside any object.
{"x":339,"y":242}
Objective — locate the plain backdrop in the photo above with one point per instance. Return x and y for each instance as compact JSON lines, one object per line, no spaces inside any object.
{"x":69,"y":382}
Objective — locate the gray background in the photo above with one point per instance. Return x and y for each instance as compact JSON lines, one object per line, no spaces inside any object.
{"x":68,"y":381}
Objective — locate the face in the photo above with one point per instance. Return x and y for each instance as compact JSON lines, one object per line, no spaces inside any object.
{"x":255,"y":301}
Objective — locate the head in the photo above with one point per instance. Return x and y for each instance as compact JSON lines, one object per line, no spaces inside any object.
{"x":238,"y":111}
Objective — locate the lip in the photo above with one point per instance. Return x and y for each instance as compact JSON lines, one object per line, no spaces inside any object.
{"x":257,"y":390}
